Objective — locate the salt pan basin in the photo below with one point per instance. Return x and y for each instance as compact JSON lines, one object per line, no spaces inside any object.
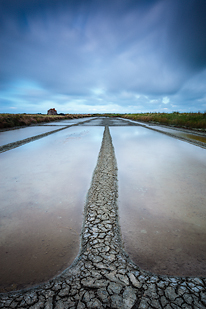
{"x":12,"y":136}
{"x":43,"y":187}
{"x":162,"y":201}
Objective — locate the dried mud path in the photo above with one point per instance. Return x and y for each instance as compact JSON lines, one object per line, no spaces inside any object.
{"x":102,"y":275}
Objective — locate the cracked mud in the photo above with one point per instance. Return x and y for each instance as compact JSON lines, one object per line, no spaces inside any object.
{"x":102,"y":275}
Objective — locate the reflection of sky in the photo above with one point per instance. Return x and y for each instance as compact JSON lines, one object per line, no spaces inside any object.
{"x":162,"y":184}
{"x":43,"y":187}
{"x":177,"y":132}
{"x":56,"y":153}
{"x":79,"y":120}
{"x":94,"y":122}
{"x":49,"y":153}
{"x":145,"y":155}
{"x":58,"y":123}
{"x":70,"y":121}
{"x":19,"y":134}
{"x":140,"y":132}
{"x":180,"y":133}
{"x":154,"y":143}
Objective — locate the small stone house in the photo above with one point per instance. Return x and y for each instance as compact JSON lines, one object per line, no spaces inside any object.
{"x":52,"y":111}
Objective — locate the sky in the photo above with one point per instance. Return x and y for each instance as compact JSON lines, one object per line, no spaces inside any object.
{"x":102,"y":56}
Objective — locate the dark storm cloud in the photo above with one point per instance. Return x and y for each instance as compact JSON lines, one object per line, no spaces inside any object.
{"x":188,"y":32}
{"x":135,"y":54}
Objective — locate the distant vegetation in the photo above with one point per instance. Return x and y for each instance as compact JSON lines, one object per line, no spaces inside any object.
{"x":176,"y":119}
{"x":16,"y":120}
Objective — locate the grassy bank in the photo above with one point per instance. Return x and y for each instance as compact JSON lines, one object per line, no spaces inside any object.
{"x":16,"y":120}
{"x":176,"y":119}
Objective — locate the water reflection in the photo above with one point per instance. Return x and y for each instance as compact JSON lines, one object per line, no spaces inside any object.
{"x":19,"y":134}
{"x":69,"y":121}
{"x":94,"y":122}
{"x":58,"y":123}
{"x":193,"y":136}
{"x":162,"y":201}
{"x":107,"y":121}
{"x":176,"y":132}
{"x":43,"y":187}
{"x":181,"y":133}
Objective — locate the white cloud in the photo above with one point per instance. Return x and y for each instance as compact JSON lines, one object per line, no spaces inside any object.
{"x":98,"y":91}
{"x":165,"y":100}
{"x":154,"y":101}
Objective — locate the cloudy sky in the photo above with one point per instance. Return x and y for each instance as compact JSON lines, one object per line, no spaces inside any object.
{"x":102,"y":56}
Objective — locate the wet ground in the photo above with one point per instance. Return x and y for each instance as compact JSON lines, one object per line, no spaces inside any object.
{"x":103,"y":276}
{"x":43,"y":191}
{"x":182,"y":133}
{"x":161,"y":200}
{"x":12,"y":136}
{"x":67,"y":122}
{"x":187,"y":134}
{"x":18,"y":134}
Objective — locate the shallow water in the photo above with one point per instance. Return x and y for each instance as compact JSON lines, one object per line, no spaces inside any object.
{"x":59,"y":123}
{"x":69,"y":121}
{"x":181,"y":133}
{"x":107,"y":121}
{"x":43,"y":187}
{"x":162,"y":201}
{"x":94,"y":122}
{"x":176,"y":132}
{"x":12,"y":136}
{"x":193,"y":136}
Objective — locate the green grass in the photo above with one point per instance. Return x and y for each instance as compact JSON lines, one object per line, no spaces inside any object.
{"x":176,"y":119}
{"x":16,"y":120}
